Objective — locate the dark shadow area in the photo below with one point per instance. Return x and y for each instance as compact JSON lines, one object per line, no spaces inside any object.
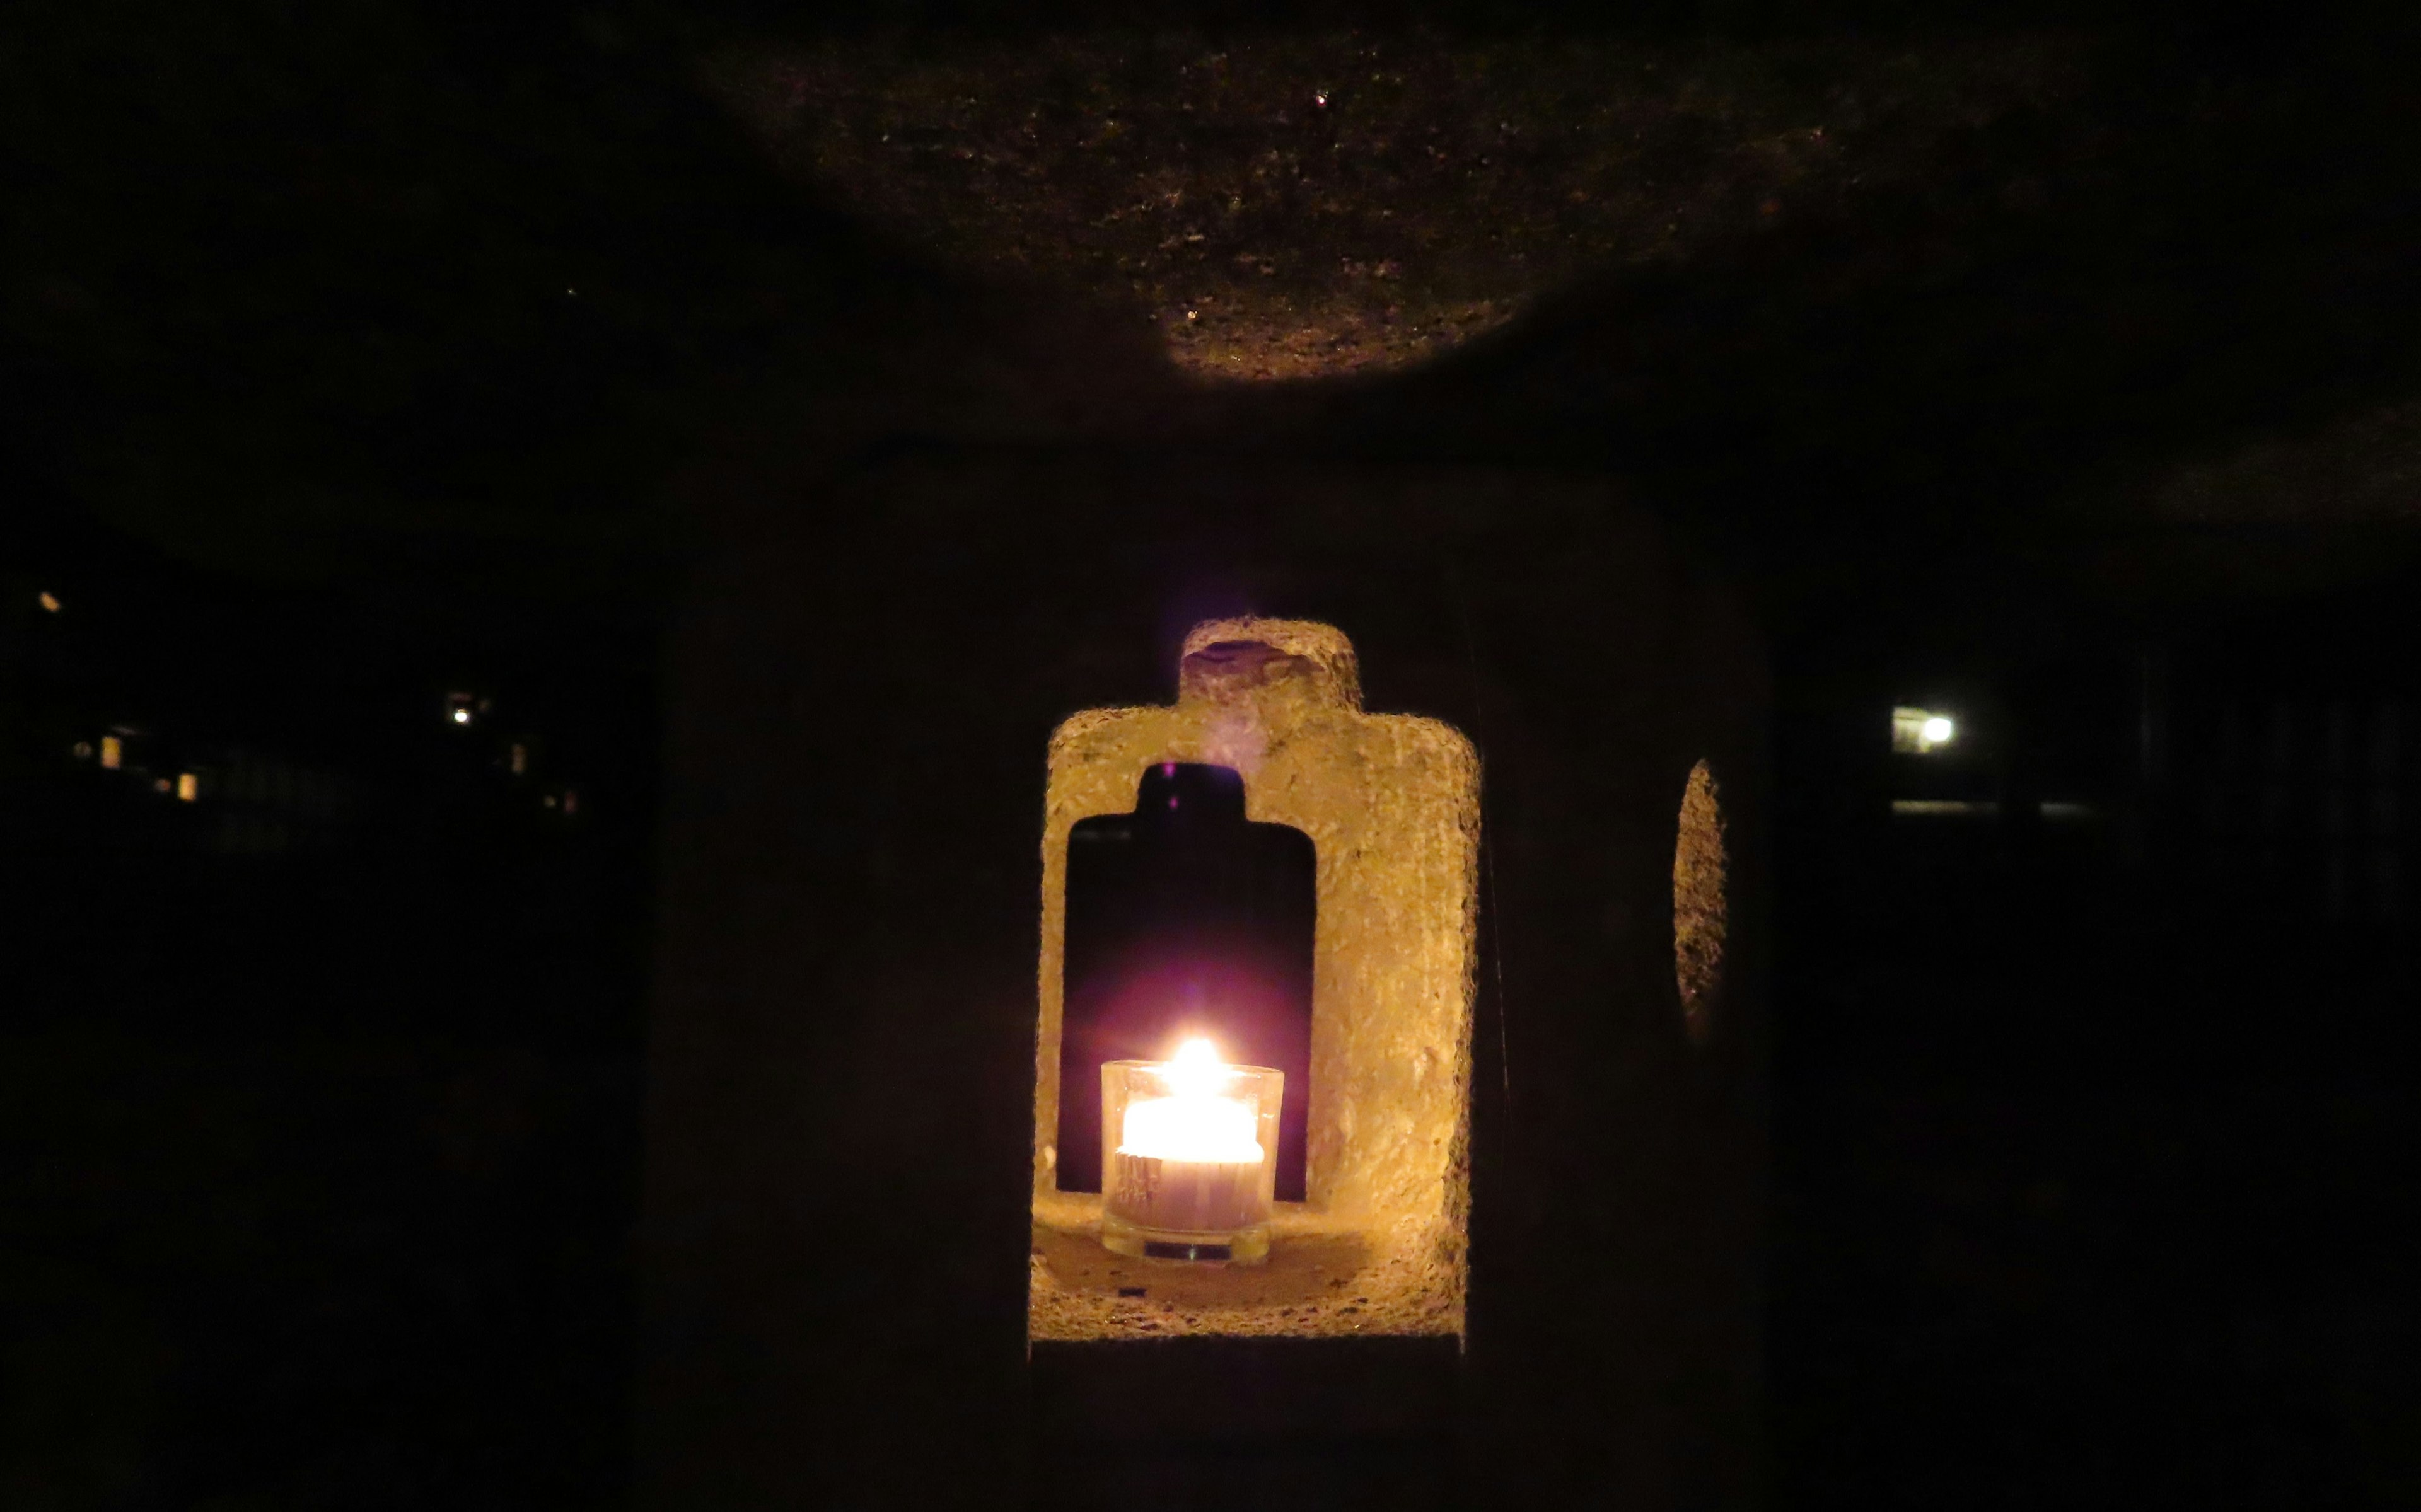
{"x":1215,"y":1422}
{"x":2090,"y":1135}
{"x":321,"y":1084}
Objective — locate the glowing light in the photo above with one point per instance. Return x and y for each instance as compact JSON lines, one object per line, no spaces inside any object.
{"x":461,"y":716}
{"x":112,"y":752}
{"x":188,"y":787}
{"x":1920,"y":731}
{"x":1191,"y":1178}
{"x":49,"y":602}
{"x":1193,"y":1122}
{"x":520,"y":758}
{"x":1195,"y":1070}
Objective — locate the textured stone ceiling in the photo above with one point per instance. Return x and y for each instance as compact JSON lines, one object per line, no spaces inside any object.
{"x":1288,"y":207}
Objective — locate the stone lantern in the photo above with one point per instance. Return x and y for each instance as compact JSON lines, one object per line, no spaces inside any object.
{"x":1522,"y":730}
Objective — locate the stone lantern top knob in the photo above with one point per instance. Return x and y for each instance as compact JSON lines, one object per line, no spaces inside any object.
{"x":1228,"y":661}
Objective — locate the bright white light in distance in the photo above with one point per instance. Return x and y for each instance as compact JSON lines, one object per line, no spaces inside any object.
{"x":1939,"y":730}
{"x":461,"y":716}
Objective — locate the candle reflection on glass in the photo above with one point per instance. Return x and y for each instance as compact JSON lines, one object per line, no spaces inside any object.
{"x":1187,"y":1171}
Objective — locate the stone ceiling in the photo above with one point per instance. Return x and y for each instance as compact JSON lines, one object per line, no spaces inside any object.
{"x":1295,"y":207}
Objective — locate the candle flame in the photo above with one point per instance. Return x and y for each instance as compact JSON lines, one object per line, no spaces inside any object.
{"x":1192,"y":1122}
{"x":1195,"y":1070}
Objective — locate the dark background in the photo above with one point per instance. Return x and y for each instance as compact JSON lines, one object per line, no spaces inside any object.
{"x":352,"y":357}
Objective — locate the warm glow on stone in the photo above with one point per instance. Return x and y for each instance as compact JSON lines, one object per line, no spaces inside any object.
{"x":1701,"y":909}
{"x":1391,"y":803}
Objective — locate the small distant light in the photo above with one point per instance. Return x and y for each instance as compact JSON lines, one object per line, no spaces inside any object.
{"x":49,"y":600}
{"x":461,"y":716}
{"x":1320,"y":100}
{"x":188,"y":787}
{"x":571,"y":801}
{"x":160,"y":784}
{"x":518,"y":758}
{"x":1919,"y":731}
{"x":83,"y":750}
{"x":112,"y":752}
{"x":548,"y":800}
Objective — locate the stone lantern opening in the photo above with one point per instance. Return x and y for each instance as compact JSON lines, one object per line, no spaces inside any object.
{"x":1389,"y":806}
{"x":1185,"y":920}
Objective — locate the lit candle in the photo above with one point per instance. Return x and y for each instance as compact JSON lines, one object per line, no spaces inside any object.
{"x":1187,"y":1171}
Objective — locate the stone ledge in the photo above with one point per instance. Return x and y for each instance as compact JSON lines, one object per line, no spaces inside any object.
{"x":1324,"y":1278}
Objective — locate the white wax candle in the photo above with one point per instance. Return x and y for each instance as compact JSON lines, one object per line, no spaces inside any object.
{"x":1191,"y":1160}
{"x":1192,"y":1128}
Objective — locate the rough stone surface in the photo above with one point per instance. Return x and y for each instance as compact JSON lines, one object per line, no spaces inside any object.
{"x":1698,"y":903}
{"x":1295,"y":206}
{"x":1391,"y":803}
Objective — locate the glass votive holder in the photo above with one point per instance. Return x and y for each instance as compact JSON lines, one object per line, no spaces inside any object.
{"x":1189,"y":1157}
